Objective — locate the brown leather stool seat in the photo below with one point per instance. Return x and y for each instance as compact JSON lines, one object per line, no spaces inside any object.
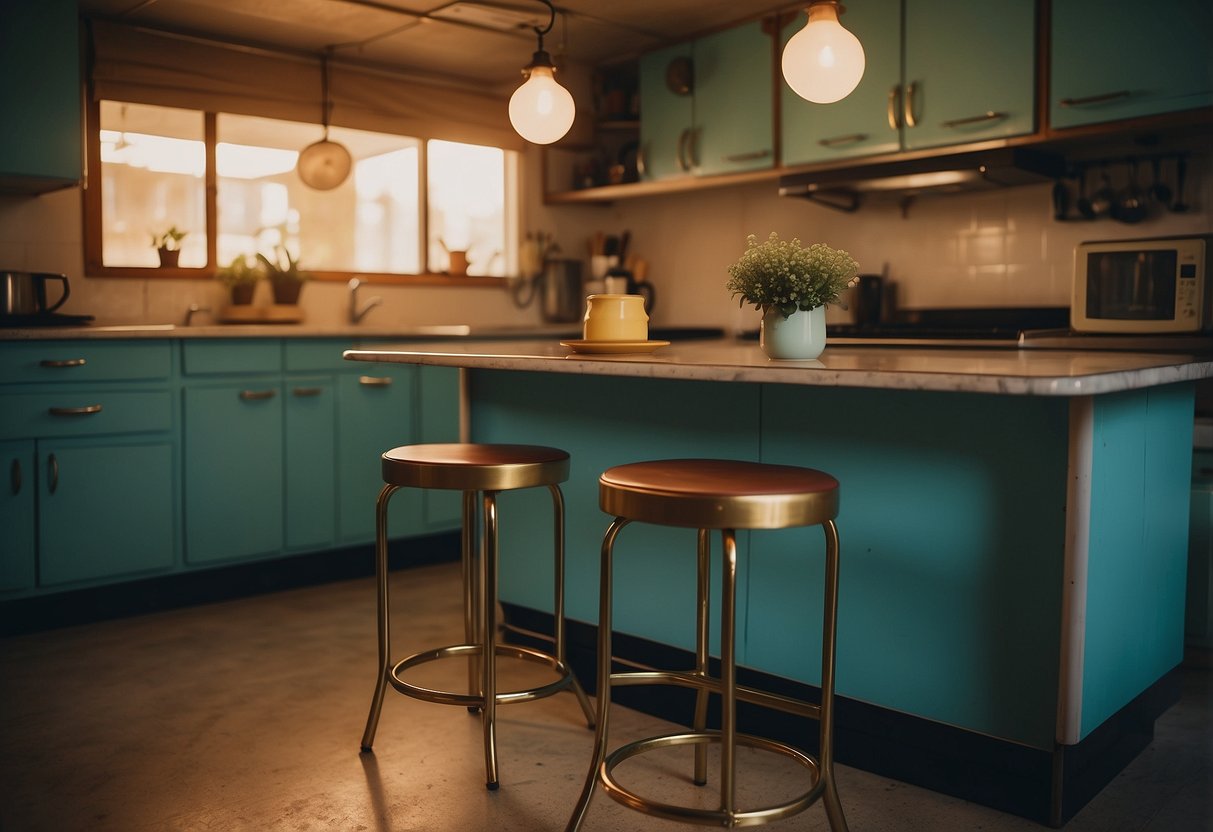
{"x":478,"y":470}
{"x":723,"y":495}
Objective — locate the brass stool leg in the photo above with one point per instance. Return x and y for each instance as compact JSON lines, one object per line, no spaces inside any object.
{"x":558,"y":548}
{"x":604,"y":675}
{"x":829,"y":629}
{"x":702,"y":601}
{"x":488,"y":640}
{"x":471,"y":618}
{"x":728,"y":672}
{"x":381,"y":584}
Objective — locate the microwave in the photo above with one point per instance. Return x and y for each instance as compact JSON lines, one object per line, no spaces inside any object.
{"x":1155,"y":286}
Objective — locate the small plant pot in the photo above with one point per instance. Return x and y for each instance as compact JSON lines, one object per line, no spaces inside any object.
{"x":169,"y":257}
{"x":286,"y":291}
{"x":242,"y":294}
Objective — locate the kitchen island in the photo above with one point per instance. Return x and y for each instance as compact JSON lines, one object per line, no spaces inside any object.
{"x":1013,"y":524}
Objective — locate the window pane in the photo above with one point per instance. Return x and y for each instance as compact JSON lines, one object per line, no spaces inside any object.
{"x":153,"y":162}
{"x":468,"y":190}
{"x":369,"y":223}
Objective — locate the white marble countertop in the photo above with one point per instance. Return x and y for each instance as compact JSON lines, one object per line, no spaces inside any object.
{"x":1005,"y":371}
{"x":277,"y":330}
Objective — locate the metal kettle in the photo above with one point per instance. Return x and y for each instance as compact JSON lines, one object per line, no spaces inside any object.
{"x":24,"y":293}
{"x":561,"y":295}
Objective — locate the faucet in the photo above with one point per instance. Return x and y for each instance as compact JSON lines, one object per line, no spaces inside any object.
{"x":358,"y":313}
{"x":194,"y":310}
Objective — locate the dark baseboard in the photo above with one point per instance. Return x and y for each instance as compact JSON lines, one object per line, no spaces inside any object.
{"x":224,"y":583}
{"x":1049,"y":787}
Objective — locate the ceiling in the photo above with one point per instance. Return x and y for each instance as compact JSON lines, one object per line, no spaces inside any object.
{"x":481,"y":44}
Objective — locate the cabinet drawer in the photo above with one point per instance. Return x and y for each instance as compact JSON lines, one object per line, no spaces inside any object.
{"x":312,"y":355}
{"x":30,"y":415}
{"x":60,"y":361}
{"x":234,"y":356}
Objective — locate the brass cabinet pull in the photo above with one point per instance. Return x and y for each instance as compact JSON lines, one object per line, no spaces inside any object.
{"x":14,"y":475}
{"x":52,"y":473}
{"x":988,"y":115}
{"x":375,"y":381}
{"x":65,"y":362}
{"x":257,"y":395}
{"x":641,"y":169}
{"x":747,"y":157}
{"x":683,"y":164}
{"x":1094,"y":99}
{"x":894,"y":112}
{"x":87,"y":410}
{"x":910,"y":90}
{"x":307,"y":391}
{"x":850,"y":138}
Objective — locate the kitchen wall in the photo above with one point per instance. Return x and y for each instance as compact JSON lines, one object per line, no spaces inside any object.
{"x":1000,"y":248}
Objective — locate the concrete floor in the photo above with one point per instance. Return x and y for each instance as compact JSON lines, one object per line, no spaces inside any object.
{"x":247,"y":715}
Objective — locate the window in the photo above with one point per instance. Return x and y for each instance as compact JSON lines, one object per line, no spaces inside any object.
{"x":406,"y":204}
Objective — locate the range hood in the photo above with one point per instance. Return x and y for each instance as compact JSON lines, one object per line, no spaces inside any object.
{"x":845,"y":188}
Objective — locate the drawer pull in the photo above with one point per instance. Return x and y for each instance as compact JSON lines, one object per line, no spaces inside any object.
{"x":15,"y":476}
{"x":989,"y":115}
{"x":87,"y":410}
{"x":834,"y":141}
{"x":895,"y":107}
{"x":65,"y":362}
{"x":257,"y":395}
{"x":1094,"y":99}
{"x":911,"y":120}
{"x":307,"y":391}
{"x":748,"y":157}
{"x":52,"y":473}
{"x":375,"y":381}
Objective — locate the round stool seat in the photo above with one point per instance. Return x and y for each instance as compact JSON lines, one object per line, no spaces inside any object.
{"x":465,"y":466}
{"x":718,"y":494}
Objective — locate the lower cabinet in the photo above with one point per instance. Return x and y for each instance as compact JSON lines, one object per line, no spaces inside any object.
{"x":17,"y":515}
{"x":310,"y":445}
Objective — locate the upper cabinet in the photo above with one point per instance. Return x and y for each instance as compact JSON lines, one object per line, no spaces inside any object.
{"x":40,"y":61}
{"x":706,"y":107}
{"x":1116,"y":59}
{"x":938,"y":73}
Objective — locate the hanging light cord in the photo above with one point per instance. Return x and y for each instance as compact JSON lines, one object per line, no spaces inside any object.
{"x":551,"y":22}
{"x":324,"y":88}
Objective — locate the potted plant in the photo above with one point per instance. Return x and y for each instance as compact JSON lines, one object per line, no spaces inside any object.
{"x":168,"y":246}
{"x":284,"y":276}
{"x":791,"y":284}
{"x":240,"y":277}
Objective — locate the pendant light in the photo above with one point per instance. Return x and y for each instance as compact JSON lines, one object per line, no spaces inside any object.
{"x":541,"y":110}
{"x":823,"y":62}
{"x":324,"y":165}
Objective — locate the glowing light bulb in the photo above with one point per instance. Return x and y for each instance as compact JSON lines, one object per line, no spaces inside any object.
{"x":541,"y":110}
{"x":823,"y":62}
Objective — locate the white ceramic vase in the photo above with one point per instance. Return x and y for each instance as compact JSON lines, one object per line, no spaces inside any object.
{"x":802,"y":335}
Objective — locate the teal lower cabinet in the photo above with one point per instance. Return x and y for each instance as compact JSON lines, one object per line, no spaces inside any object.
{"x":310,"y":436}
{"x":1012,"y":567}
{"x":17,"y":516}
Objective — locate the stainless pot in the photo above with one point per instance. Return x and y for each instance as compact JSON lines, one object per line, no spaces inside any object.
{"x":24,"y":293}
{"x":561,"y":295}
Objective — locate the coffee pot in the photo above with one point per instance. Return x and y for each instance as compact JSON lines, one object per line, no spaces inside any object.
{"x":24,"y":293}
{"x":621,"y":281}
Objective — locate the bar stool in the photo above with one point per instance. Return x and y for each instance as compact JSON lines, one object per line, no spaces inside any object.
{"x":708,"y":494}
{"x":474,"y":469}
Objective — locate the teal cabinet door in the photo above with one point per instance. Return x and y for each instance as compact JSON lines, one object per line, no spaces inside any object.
{"x":106,"y":507}
{"x":311,"y":461}
{"x":233,"y":470}
{"x":438,"y":397}
{"x":863,"y":123}
{"x":376,"y":411}
{"x":969,"y":71}
{"x":666,"y":118}
{"x":16,"y":515}
{"x":1115,"y":59}
{"x":734,"y":105}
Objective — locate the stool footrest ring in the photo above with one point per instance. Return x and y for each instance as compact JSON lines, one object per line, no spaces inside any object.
{"x":709,"y":817}
{"x":444,"y":697}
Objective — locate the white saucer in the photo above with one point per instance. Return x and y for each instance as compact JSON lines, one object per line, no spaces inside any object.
{"x":614,"y":347}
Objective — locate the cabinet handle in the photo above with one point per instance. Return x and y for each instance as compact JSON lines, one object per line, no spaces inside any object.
{"x":307,"y":391}
{"x":65,"y":362}
{"x":748,"y":157}
{"x":693,"y":146}
{"x":894,"y":112}
{"x":683,"y":164}
{"x":87,"y":410}
{"x":257,"y":395}
{"x":375,"y":381}
{"x":641,"y":170}
{"x":15,"y":476}
{"x":851,"y":138}
{"x":989,"y":115}
{"x":52,"y":473}
{"x":1094,"y":99}
{"x":910,"y":90}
